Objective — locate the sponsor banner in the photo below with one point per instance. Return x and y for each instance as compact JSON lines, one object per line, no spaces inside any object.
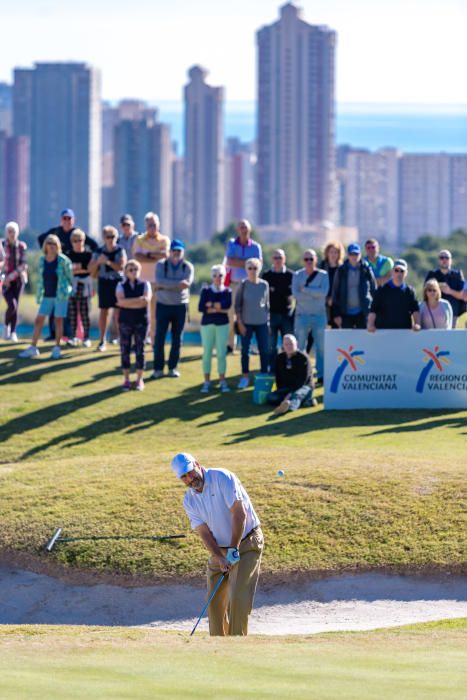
{"x":395,"y":369}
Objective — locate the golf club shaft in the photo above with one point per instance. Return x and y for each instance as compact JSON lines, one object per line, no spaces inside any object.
{"x":207,"y":604}
{"x":119,"y":537}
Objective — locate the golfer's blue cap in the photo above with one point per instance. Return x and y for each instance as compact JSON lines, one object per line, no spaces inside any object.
{"x":67,"y":212}
{"x":182,"y":464}
{"x":353,"y":248}
{"x":177,"y":244}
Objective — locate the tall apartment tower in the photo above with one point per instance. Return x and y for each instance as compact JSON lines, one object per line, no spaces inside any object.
{"x":204,"y":156}
{"x":143,"y":170}
{"x":371,"y":201}
{"x":296,"y":121}
{"x":58,"y":106}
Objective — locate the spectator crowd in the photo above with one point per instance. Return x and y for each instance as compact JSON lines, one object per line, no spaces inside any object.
{"x":143,"y":290}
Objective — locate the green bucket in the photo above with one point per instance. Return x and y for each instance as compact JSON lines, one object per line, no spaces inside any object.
{"x":263,"y":385}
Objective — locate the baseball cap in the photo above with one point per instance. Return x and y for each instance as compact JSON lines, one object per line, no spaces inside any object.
{"x":401,"y":263}
{"x":177,"y":244}
{"x":353,"y":248}
{"x":126,"y":219}
{"x":67,"y":212}
{"x":182,"y":463}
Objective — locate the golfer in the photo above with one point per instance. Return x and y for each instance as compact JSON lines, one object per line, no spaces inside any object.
{"x":221,"y":512}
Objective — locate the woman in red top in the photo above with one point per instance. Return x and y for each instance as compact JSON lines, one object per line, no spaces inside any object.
{"x":14,"y":273}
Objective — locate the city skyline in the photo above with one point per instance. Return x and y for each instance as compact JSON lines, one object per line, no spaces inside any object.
{"x":424,"y":69}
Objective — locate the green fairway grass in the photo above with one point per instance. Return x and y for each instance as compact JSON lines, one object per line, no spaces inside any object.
{"x":362,"y":489}
{"x":420,"y":662}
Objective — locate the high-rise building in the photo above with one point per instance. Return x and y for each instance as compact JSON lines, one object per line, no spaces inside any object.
{"x":204,"y":157}
{"x":458,"y":190}
{"x":6,"y":108}
{"x":58,"y":106}
{"x":143,"y":169}
{"x":424,"y":196}
{"x":14,"y":179}
{"x":371,"y":196}
{"x":240,"y":181}
{"x":296,"y":121}
{"x":179,"y":226}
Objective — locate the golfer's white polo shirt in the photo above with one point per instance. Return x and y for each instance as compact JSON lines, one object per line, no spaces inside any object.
{"x":212,"y":506}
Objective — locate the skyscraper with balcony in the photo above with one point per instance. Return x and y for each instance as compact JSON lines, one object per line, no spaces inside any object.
{"x":204,"y":157}
{"x":58,"y":106}
{"x":296,"y":121}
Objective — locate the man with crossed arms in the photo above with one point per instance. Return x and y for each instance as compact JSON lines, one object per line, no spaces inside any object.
{"x":221,"y":512}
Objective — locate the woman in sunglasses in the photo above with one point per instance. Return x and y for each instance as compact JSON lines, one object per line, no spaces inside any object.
{"x":214,"y":303}
{"x":107,"y":263}
{"x":252,"y":309}
{"x":53,"y":291}
{"x":133,"y":296}
{"x":434,"y":311}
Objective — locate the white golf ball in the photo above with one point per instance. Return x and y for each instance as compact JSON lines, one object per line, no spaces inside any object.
{"x":280,"y":472}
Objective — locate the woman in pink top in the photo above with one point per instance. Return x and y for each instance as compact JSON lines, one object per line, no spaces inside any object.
{"x":434,"y":311}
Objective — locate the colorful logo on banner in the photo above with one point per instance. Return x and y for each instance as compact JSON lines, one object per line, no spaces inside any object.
{"x":433,"y":359}
{"x":346,"y":358}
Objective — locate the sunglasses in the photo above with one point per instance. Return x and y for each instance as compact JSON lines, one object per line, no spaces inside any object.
{"x":217,"y":274}
{"x":308,"y":259}
{"x":277,"y":257}
{"x":54,"y":244}
{"x":443,"y":257}
{"x":252,"y":268}
{"x":151,"y":225}
{"x":431,"y":290}
{"x":110,"y":238}
{"x":66,"y":218}
{"x":132,"y":269}
{"x":398,"y":269}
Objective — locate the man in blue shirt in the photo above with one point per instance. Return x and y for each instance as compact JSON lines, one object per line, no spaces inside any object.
{"x":237,"y":252}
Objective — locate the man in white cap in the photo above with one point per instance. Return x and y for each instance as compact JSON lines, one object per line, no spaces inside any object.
{"x":221,"y":512}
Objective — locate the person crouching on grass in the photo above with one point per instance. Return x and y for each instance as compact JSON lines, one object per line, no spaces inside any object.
{"x":133,"y":297}
{"x":53,"y":291}
{"x":221,"y":513}
{"x":293,"y":379}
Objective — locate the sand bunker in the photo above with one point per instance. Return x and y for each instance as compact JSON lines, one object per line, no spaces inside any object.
{"x":347,"y":602}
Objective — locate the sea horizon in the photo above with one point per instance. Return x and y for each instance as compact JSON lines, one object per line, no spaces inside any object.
{"x":408,"y":127}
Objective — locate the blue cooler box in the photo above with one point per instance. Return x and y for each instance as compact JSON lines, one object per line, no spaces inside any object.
{"x":263,"y":385}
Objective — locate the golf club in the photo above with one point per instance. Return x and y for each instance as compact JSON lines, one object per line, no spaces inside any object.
{"x":57,"y":538}
{"x":206,"y":606}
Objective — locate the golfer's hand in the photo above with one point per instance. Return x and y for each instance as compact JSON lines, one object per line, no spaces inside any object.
{"x":224,"y":564}
{"x":233,"y":555}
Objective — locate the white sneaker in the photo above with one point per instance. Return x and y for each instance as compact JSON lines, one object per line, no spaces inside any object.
{"x":31,"y":351}
{"x":72,"y":342}
{"x":6,"y":332}
{"x":157,"y":374}
{"x":205,"y":388}
{"x":102,"y":347}
{"x":243,"y":383}
{"x":87,"y":343}
{"x":224,"y":387}
{"x":56,"y":353}
{"x":14,"y":337}
{"x":174,"y":373}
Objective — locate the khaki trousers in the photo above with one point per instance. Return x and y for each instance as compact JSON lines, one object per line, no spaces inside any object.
{"x":228,"y":612}
{"x":232,"y":315}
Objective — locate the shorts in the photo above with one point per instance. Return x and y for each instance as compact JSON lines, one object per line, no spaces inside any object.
{"x":53,"y":305}
{"x":106,"y":293}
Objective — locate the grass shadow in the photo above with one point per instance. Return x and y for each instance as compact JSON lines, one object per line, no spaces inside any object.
{"x":42,"y":368}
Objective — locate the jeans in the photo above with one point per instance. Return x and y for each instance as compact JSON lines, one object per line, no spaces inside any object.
{"x":354,"y":321}
{"x":304,"y":323}
{"x":12,"y":293}
{"x":261,"y":332}
{"x":172,"y":315}
{"x":278,"y":323}
{"x":213,"y":336}
{"x":299,"y":397}
{"x":132,"y":333}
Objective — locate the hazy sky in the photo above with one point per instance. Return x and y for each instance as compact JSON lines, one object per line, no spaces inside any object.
{"x":388,"y":50}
